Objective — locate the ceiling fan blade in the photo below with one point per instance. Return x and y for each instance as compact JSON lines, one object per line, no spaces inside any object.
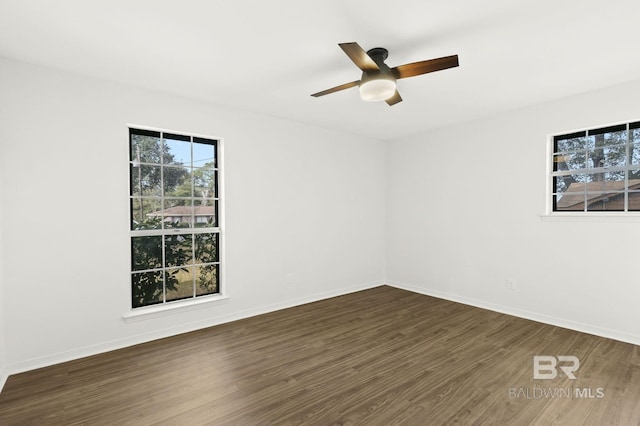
{"x":394,"y":99}
{"x":424,"y":67}
{"x":337,"y":88}
{"x":359,"y":56}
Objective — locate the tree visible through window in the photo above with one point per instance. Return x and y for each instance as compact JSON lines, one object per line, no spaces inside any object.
{"x":175,"y":234}
{"x":597,"y":170}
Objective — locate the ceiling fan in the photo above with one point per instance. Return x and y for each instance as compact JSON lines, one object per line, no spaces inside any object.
{"x":378,"y":81}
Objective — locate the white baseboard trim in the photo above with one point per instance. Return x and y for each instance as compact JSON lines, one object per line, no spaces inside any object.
{"x":83,"y":352}
{"x":4,"y":375}
{"x":546,"y":319}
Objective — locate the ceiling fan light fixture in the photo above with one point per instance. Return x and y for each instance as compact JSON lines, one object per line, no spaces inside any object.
{"x":377,"y":89}
{"x":378,"y":82}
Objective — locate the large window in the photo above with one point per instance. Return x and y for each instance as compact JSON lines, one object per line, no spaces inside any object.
{"x":174,"y":220}
{"x":597,"y":170}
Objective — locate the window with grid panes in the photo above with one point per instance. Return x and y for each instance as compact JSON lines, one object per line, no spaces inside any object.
{"x":174,"y":220}
{"x":597,"y":170}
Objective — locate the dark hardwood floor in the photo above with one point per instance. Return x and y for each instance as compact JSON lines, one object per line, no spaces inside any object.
{"x":378,"y":357}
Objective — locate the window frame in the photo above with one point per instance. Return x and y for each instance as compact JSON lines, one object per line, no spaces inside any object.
{"x":585,"y":214}
{"x":195,"y":301}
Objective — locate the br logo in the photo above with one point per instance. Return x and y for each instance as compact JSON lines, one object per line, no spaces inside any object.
{"x":546,"y":366}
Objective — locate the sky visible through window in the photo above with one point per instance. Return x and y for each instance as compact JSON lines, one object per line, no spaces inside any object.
{"x":181,"y":152}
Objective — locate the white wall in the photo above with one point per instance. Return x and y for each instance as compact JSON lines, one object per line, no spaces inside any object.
{"x":464,"y":206}
{"x":300,"y":200}
{"x":3,"y":344}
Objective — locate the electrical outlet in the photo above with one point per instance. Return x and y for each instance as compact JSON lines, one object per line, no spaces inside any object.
{"x":511,"y":284}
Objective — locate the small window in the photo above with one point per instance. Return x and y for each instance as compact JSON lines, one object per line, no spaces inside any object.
{"x":597,"y":170}
{"x":174,"y":217}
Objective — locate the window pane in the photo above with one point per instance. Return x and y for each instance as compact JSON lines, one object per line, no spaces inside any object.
{"x":206,"y":248}
{"x":569,"y":183}
{"x":609,"y":201}
{"x":634,"y":190}
{"x":178,"y":213}
{"x":145,"y":180}
{"x":146,"y":288}
{"x":144,"y":214}
{"x":177,"y":152}
{"x":634,"y":200}
{"x":616,"y":138}
{"x":609,"y":156}
{"x":179,"y":283}
{"x":609,"y":181}
{"x":569,"y":202}
{"x":571,"y":144}
{"x":146,"y":252}
{"x":205,"y":183}
{"x":634,"y":153}
{"x":615,"y":156}
{"x":135,"y":180}
{"x":207,"y":279}
{"x":205,"y":213}
{"x":204,"y":155}
{"x":607,"y":139}
{"x":570,"y":161}
{"x":145,"y":149}
{"x":177,"y":181}
{"x":178,"y":250}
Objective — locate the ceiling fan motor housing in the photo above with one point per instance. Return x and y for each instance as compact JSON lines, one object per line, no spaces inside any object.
{"x":381,"y":84}
{"x":378,"y":54}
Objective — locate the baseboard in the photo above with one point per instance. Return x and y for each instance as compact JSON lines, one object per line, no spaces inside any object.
{"x":546,"y":319}
{"x":3,"y":378}
{"x":61,"y":357}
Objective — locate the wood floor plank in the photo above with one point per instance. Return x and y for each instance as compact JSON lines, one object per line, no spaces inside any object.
{"x":378,"y":357}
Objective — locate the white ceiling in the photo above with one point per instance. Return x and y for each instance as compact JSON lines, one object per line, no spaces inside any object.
{"x":269,"y":56}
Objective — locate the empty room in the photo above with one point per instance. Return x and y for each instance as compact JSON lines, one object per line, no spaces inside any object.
{"x":319,"y":213}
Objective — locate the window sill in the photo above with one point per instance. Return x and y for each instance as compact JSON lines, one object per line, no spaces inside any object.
{"x":155,"y":311}
{"x":591,"y":217}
